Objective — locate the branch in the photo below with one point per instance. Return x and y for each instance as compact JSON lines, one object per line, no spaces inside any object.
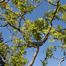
{"x":40,"y":43}
{"x":56,"y":5}
{"x":3,"y":59}
{"x":34,"y":57}
{"x":4,"y":25}
{"x":16,"y":28}
{"x":47,"y":35}
{"x":61,"y":60}
{"x":55,"y":58}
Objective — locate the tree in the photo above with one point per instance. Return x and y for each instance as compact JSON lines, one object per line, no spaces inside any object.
{"x":26,"y":33}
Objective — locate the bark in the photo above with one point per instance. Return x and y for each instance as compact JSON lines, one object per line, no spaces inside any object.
{"x":34,"y":57}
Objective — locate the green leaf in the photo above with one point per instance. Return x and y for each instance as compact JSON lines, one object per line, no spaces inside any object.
{"x":51,"y":40}
{"x":49,"y":52}
{"x":64,"y":16}
{"x":44,"y":62}
{"x":63,"y":46}
{"x":63,"y":8}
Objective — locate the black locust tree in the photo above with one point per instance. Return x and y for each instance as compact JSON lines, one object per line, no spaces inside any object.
{"x":26,"y":33}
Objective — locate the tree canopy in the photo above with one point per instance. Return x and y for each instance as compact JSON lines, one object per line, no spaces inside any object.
{"x":26,"y":33}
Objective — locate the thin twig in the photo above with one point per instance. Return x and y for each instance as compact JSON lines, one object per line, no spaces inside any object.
{"x":34,"y":57}
{"x":61,"y":60}
{"x":4,"y":25}
{"x":47,"y":35}
{"x":3,"y":59}
{"x":56,"y":5}
{"x":55,"y":58}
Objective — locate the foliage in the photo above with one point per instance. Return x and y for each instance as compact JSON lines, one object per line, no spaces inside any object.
{"x":26,"y":33}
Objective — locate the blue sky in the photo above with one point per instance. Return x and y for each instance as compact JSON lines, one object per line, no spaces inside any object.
{"x":39,"y":12}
